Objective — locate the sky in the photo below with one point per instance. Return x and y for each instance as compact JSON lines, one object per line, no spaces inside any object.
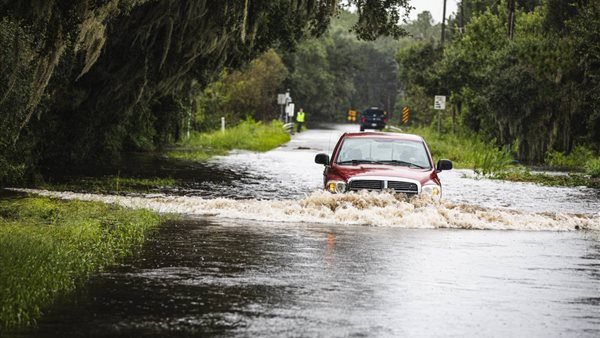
{"x":434,"y":6}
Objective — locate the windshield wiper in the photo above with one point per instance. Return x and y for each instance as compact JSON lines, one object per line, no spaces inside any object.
{"x":404,"y":163}
{"x":355,"y":162}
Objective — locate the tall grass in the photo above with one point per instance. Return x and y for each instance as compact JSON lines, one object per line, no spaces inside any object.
{"x":248,"y":135}
{"x":592,"y":167}
{"x":580,"y":159}
{"x":48,"y":247}
{"x":465,"y":150}
{"x":576,"y":160}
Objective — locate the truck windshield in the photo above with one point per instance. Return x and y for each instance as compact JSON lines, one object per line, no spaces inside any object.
{"x":383,"y":151}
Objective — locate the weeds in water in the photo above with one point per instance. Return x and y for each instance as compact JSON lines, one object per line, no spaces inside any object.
{"x":570,"y":180}
{"x":48,"y":247}
{"x":248,"y":135}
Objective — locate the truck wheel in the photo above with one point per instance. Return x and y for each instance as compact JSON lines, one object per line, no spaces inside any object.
{"x":362,"y":128}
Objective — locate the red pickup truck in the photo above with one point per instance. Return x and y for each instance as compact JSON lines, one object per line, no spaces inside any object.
{"x":382,"y":161}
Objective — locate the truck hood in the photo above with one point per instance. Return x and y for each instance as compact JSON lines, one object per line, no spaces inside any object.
{"x":355,"y":172}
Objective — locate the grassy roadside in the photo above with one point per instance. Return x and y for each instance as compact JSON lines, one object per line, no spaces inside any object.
{"x":465,"y":151}
{"x":49,"y":246}
{"x":470,"y":152}
{"x":248,"y":135}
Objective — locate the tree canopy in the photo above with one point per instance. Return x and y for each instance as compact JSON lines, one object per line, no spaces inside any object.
{"x":82,"y":80}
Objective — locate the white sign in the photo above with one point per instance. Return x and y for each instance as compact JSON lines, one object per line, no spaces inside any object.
{"x":280,"y":99}
{"x":439,"y":102}
{"x":290,"y":109}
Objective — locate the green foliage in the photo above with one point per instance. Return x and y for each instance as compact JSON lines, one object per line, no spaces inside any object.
{"x":248,"y":135}
{"x":336,"y":72}
{"x":576,"y":160}
{"x":466,"y":150}
{"x":248,"y":91}
{"x":570,"y":180}
{"x":592,"y":168}
{"x":48,"y":247}
{"x":82,"y":80}
{"x":530,"y":92}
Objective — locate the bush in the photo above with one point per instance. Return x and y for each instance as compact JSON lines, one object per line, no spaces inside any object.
{"x":576,"y":160}
{"x":592,"y":168}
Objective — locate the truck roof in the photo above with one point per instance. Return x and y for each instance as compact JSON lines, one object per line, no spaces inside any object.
{"x":397,"y":136}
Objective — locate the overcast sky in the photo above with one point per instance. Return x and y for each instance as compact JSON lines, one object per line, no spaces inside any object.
{"x":434,"y":6}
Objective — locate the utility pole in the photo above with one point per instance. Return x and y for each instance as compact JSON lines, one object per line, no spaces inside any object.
{"x":444,"y":22}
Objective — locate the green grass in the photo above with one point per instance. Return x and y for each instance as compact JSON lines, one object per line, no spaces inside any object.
{"x":470,"y":152}
{"x":570,"y":180}
{"x":592,"y":167}
{"x":49,"y":246}
{"x":248,"y":135}
{"x":465,"y":151}
{"x":576,"y":160}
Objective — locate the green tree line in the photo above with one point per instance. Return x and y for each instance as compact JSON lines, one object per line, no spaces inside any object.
{"x":83,"y":80}
{"x":533,"y":89}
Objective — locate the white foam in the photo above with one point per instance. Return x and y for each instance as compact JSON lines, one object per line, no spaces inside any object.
{"x":374,"y":209}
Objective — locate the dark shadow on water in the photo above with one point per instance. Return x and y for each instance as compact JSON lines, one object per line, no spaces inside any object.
{"x":148,"y":173}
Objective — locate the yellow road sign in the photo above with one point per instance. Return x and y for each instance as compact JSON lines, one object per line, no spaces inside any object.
{"x":405,"y":115}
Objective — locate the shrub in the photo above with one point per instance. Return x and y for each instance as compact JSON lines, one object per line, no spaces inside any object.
{"x":577,"y":159}
{"x":592,"y":168}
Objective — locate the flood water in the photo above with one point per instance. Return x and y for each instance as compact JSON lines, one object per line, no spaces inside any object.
{"x":263,"y":253}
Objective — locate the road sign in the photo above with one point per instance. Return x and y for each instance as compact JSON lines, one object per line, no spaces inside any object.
{"x":290,"y":109}
{"x":405,"y":115}
{"x":439,"y":102}
{"x":351,"y":115}
{"x":280,"y":99}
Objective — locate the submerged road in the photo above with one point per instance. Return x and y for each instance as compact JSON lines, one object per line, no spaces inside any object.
{"x":259,"y":255}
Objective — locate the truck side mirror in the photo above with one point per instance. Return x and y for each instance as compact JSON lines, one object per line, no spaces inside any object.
{"x":444,"y":165}
{"x":322,"y":159}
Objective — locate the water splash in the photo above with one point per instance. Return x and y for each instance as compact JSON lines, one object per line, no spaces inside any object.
{"x":364,"y":208}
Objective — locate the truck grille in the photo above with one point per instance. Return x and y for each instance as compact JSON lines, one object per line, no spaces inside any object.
{"x":405,"y":187}
{"x":366,"y":184}
{"x":397,"y":186}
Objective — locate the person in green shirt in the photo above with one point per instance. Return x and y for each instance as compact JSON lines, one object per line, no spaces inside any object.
{"x":299,"y":119}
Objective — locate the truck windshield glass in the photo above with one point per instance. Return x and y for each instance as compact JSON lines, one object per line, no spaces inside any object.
{"x":383,"y":151}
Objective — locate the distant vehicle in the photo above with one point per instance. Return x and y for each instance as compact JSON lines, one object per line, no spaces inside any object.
{"x":401,"y":163}
{"x":373,"y":118}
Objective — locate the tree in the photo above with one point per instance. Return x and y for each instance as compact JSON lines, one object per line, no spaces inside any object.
{"x":84,"y":79}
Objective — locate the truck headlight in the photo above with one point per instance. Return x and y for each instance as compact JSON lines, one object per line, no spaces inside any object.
{"x":432,"y":190}
{"x":336,"y":187}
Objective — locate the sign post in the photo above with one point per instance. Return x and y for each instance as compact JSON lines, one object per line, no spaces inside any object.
{"x":283,"y":100}
{"x":281,"y":103}
{"x":290,"y":110}
{"x":439,"y":103}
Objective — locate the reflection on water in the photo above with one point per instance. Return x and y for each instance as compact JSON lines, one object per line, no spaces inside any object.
{"x":213,"y":278}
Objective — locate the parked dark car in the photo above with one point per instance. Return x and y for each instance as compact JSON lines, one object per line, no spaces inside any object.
{"x":401,"y":163}
{"x":373,"y":118}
